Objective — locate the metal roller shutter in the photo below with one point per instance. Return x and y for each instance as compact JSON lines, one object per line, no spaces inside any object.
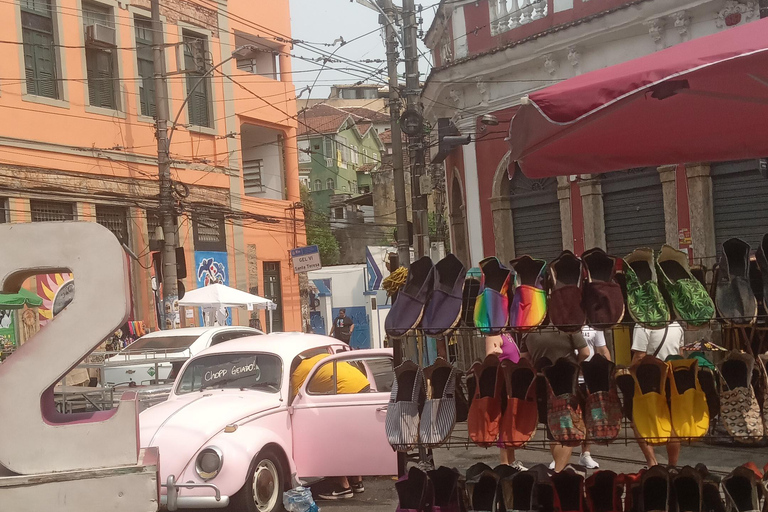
{"x":633,"y":203}
{"x":536,"y":217}
{"x":740,"y":202}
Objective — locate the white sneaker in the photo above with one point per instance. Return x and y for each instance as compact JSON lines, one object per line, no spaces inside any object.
{"x":552,"y":465}
{"x":518,"y":466}
{"x":587,"y":461}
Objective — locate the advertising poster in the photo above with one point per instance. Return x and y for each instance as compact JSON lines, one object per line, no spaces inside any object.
{"x":211,"y":268}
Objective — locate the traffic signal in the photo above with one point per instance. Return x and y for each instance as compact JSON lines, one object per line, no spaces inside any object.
{"x":181,"y":264}
{"x":448,"y":137}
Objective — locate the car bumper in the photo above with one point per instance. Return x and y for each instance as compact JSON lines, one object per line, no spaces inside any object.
{"x":172,"y":501}
{"x":196,"y":502}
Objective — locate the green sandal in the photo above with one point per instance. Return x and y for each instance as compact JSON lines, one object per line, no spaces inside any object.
{"x":645,"y":302}
{"x":690,"y":300}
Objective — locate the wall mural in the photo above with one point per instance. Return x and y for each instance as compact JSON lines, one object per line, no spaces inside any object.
{"x":57,"y":291}
{"x":212,"y":268}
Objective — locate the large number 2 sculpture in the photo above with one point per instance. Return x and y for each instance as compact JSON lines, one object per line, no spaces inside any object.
{"x":43,"y":439}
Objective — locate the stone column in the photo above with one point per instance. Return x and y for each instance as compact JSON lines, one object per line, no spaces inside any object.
{"x":566,"y":219}
{"x":459,"y":237}
{"x":594,"y":215}
{"x":141,"y":270}
{"x":669,"y":189}
{"x":85,"y":212}
{"x":503,"y":230}
{"x":19,"y":210}
{"x":702,"y":216}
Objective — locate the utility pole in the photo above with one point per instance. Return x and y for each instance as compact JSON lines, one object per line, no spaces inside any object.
{"x":167,"y":213}
{"x":419,"y":178}
{"x":403,"y":251}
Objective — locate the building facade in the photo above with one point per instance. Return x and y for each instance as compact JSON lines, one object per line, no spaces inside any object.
{"x":82,"y":145}
{"x":338,"y":150}
{"x":488,"y":54}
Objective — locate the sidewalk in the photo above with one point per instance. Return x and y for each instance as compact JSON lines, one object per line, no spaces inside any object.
{"x":621,"y":457}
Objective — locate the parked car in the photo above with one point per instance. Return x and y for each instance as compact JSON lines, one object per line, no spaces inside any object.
{"x":232,"y":425}
{"x":158,"y":356}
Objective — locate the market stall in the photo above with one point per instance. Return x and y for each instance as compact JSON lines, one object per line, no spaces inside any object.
{"x":697,"y":101}
{"x":215,"y":298}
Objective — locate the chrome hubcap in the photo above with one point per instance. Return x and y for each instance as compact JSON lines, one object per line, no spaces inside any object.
{"x":265,"y":485}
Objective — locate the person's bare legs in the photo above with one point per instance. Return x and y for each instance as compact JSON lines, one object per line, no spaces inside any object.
{"x":673,"y":451}
{"x":648,"y":453}
{"x":507,"y":455}
{"x":561,"y":455}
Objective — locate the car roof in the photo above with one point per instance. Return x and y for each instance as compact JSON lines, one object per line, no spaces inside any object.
{"x":285,"y":344}
{"x":195,"y":331}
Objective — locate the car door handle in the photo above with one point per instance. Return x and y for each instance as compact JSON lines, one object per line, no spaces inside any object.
{"x":380,"y":409}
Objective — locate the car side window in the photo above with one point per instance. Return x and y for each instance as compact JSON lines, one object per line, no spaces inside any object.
{"x":229,"y":335}
{"x":364,"y":375}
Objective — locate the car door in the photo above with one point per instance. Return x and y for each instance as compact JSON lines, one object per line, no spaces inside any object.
{"x":338,"y":431}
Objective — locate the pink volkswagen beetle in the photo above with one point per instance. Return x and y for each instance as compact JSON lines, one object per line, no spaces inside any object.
{"x":232,"y":431}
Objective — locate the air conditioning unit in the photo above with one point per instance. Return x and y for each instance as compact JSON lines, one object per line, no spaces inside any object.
{"x":100,"y":35}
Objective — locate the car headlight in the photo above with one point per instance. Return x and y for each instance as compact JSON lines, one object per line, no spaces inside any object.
{"x":209,"y":462}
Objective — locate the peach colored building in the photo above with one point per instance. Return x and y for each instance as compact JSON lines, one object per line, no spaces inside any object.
{"x":78,"y":139}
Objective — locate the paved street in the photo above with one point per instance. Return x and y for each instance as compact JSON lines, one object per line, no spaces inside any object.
{"x":380,"y":493}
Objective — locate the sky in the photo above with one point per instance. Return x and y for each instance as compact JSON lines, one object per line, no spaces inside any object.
{"x":324,"y":21}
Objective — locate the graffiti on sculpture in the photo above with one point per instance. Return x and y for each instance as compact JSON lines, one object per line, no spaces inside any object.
{"x":57,"y":291}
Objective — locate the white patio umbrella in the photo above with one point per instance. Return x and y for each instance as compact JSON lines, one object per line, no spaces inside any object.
{"x":216,"y":297}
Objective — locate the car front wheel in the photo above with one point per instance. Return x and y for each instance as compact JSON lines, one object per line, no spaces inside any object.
{"x":263,"y":490}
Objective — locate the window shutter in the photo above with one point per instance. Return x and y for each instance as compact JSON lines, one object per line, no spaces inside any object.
{"x":46,"y":68}
{"x":29,"y":62}
{"x":147,"y":88}
{"x":101,"y":90}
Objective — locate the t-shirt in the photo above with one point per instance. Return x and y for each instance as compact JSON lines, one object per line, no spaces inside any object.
{"x":594,"y":338}
{"x":342,"y":326}
{"x":648,"y":340}
{"x":348,"y":378}
{"x":552,"y":345}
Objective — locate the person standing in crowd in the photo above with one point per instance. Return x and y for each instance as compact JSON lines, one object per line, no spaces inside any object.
{"x":596,"y":344}
{"x":554,"y":345}
{"x":660,"y":343}
{"x":343,"y":327}
{"x":505,"y":348}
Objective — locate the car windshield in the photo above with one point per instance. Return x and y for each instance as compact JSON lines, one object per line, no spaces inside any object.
{"x":244,"y":370}
{"x":164,"y":343}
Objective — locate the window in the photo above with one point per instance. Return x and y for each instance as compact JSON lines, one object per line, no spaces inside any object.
{"x":256,"y":372}
{"x":100,"y":56}
{"x":318,"y":185}
{"x":49,"y":211}
{"x":355,"y":156}
{"x":338,"y":213}
{"x":145,"y":62}
{"x":365,"y":190}
{"x":363,"y":375}
{"x":259,"y":62}
{"x":329,"y":184}
{"x":4,"y":213}
{"x":230,"y":335}
{"x":114,"y":219}
{"x":209,"y":233}
{"x":343,"y":148}
{"x":328,"y":150}
{"x":252,"y":176}
{"x":305,"y":155}
{"x":39,"y":48}
{"x":198,"y":84}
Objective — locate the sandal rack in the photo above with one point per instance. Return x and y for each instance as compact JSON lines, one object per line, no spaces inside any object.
{"x":466,"y":345}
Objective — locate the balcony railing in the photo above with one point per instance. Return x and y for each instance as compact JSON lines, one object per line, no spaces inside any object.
{"x":510,"y":14}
